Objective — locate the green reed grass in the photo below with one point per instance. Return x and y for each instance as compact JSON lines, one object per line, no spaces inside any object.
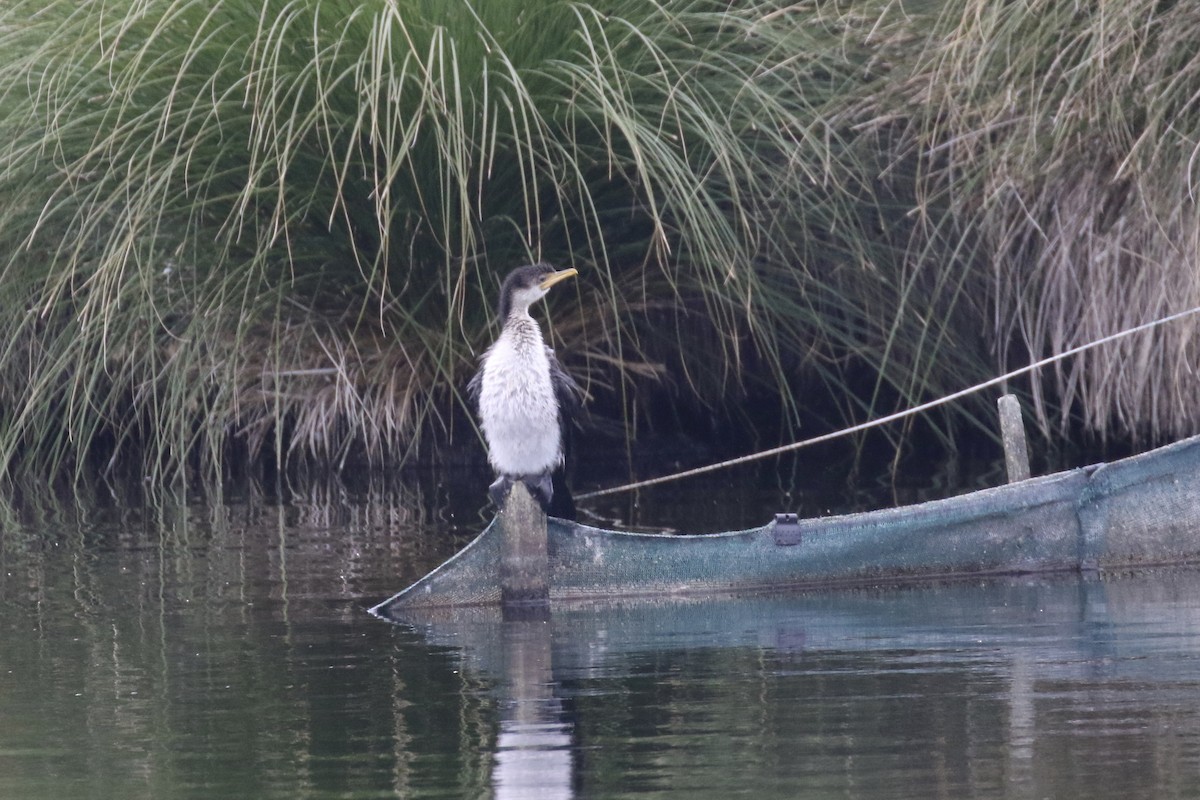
{"x":280,"y":225}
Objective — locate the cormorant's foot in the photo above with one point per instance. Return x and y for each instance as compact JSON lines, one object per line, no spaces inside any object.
{"x":541,"y":488}
{"x":498,"y":491}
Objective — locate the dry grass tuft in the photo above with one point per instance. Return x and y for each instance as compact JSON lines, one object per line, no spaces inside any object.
{"x":1065,"y":141}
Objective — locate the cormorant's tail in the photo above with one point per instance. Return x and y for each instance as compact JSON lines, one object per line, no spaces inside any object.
{"x":562,"y":503}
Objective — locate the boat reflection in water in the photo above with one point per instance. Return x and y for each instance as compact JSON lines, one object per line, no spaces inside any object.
{"x":1017,"y":687}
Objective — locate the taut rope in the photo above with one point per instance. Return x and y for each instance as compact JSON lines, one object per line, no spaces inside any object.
{"x":787,"y":448}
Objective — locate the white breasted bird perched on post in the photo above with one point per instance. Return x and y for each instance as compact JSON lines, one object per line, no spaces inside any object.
{"x":523,"y":395}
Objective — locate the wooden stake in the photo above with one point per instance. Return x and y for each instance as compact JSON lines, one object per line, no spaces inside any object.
{"x":1012,"y":433}
{"x":524,"y":561}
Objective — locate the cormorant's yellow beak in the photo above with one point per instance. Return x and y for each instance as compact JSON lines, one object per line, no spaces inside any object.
{"x":555,"y":277}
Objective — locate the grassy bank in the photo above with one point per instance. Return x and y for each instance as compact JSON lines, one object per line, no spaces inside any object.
{"x":277,"y":229}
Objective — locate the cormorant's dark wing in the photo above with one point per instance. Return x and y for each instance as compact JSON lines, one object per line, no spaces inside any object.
{"x":569,"y":397}
{"x":566,"y":390}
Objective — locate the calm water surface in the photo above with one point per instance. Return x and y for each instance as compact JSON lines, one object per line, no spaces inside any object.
{"x":223,"y":650}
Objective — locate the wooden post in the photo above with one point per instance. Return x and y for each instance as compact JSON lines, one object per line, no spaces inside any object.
{"x":524,"y":560}
{"x":1012,"y":433}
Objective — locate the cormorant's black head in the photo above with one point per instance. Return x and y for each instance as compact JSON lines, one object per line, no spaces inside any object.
{"x":526,"y":285}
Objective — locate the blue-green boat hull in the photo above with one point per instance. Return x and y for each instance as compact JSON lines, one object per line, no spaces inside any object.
{"x":1139,"y":511}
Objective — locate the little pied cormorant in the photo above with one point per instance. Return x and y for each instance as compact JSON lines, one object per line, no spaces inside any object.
{"x":523,"y":394}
